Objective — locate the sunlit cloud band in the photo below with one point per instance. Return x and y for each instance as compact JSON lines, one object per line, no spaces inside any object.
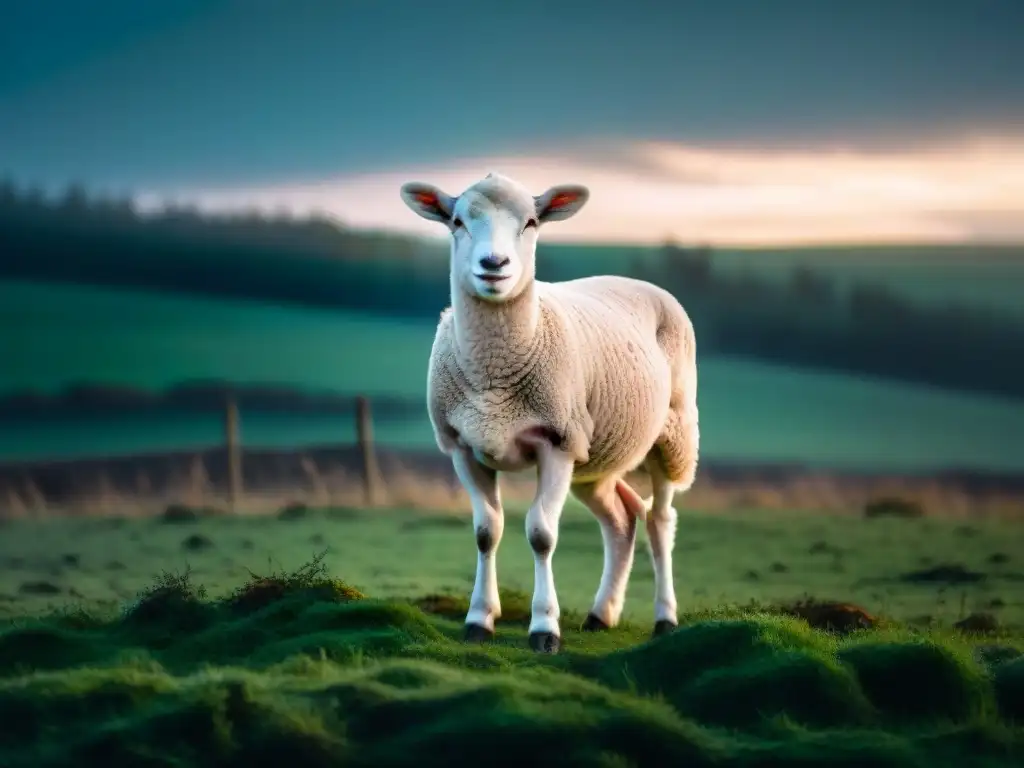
{"x":648,"y":192}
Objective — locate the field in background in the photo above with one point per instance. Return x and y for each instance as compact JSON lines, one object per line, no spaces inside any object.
{"x":265,"y":663}
{"x":722,"y":558}
{"x":750,"y":411}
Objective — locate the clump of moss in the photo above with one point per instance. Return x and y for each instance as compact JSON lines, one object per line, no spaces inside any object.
{"x":808,"y":688}
{"x":1009,"y":689}
{"x":310,"y":580}
{"x":171,"y":600}
{"x":676,"y":659}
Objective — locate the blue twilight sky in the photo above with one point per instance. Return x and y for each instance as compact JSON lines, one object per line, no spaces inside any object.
{"x":326,"y":103}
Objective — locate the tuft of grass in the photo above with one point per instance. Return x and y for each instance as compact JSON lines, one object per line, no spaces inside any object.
{"x":311,"y":579}
{"x":172,"y":602}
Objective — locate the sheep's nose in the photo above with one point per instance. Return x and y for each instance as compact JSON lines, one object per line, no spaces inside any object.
{"x":493,"y":263}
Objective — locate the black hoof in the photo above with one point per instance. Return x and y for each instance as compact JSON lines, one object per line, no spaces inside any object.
{"x":663,"y":627}
{"x":545,"y":642}
{"x":477,"y":634}
{"x":593,"y":624}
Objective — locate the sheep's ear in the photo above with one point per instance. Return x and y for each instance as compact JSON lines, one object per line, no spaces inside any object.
{"x":561,"y":202}
{"x":428,"y":201}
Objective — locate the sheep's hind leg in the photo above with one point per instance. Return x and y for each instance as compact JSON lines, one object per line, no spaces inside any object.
{"x":618,"y":530}
{"x":554,"y":478}
{"x":661,"y":535}
{"x":481,"y":483}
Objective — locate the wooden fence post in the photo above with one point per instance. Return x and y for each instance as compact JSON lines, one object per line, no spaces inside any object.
{"x":234,"y":454}
{"x":364,"y":434}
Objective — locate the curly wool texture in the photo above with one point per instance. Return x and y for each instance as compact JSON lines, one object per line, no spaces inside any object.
{"x":606,"y":364}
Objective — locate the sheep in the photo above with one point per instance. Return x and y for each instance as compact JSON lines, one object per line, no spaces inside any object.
{"x":585,"y":380}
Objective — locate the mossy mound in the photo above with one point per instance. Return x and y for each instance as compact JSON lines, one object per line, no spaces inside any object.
{"x":1009,"y":689}
{"x":295,"y":668}
{"x":920,"y":681}
{"x":737,"y":672}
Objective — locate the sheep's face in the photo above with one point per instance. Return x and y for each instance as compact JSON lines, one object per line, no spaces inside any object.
{"x":494,"y":226}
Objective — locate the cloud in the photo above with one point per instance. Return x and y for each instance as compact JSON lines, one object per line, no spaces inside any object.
{"x":645,"y":192}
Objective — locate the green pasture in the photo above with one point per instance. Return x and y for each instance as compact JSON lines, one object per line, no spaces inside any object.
{"x":333,"y":637}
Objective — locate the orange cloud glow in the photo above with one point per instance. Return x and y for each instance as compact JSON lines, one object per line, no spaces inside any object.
{"x":645,"y":192}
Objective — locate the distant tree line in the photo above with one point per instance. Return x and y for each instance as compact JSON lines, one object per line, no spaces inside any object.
{"x":804,"y":321}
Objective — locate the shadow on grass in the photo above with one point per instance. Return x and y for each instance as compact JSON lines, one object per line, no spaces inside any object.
{"x":299,"y":668}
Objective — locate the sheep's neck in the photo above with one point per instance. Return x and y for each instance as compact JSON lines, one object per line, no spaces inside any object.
{"x":479,"y":325}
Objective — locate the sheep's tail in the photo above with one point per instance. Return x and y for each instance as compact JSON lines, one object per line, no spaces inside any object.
{"x":636,"y":507}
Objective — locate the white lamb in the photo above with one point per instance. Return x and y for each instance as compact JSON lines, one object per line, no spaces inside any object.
{"x":585,"y":379}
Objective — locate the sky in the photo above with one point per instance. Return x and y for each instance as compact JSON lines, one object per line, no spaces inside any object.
{"x":795,"y":121}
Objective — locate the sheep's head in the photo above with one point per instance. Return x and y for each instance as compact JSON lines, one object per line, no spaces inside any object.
{"x":494,"y":226}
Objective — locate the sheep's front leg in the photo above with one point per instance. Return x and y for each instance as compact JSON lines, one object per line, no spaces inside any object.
{"x":554,"y":478}
{"x":481,"y":483}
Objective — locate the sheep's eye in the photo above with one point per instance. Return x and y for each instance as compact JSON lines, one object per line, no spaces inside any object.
{"x":530,"y":223}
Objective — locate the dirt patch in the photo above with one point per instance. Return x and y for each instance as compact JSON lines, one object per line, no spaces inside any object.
{"x":893,"y":506}
{"x":945,"y":573}
{"x":181,"y":513}
{"x":294,"y":511}
{"x":831,"y":616}
{"x":978,"y":623}
{"x":197,"y":543}
{"x":39,"y":588}
{"x":822,"y":547}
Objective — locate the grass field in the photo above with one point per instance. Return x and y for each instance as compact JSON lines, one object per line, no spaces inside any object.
{"x":206,"y":642}
{"x":750,"y":411}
